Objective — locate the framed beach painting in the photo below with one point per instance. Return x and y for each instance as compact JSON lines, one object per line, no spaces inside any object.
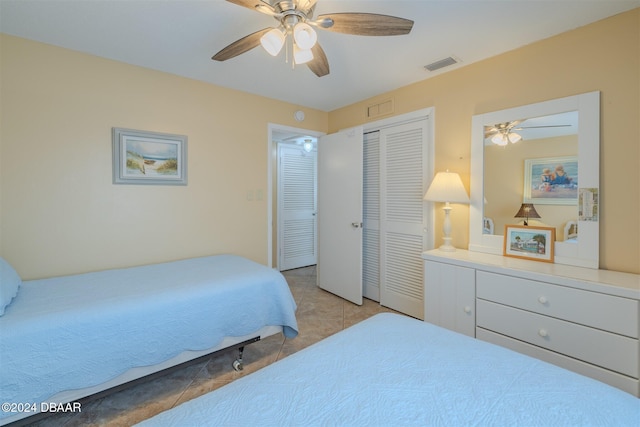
{"x":529,"y":242}
{"x":551,"y":181}
{"x":141,"y":157}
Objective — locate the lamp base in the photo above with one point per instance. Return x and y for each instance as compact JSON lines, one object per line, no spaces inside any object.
{"x":447,"y":246}
{"x":446,"y":228}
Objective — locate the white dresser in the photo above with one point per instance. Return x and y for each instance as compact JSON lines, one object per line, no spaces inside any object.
{"x":582,"y":319}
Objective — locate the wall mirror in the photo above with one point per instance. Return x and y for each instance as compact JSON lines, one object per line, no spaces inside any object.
{"x":546,"y":154}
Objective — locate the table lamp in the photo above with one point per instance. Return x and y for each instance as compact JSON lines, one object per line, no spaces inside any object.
{"x":527,"y":211}
{"x":447,"y":187}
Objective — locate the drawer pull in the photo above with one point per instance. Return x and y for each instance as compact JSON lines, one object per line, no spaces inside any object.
{"x":543,"y":333}
{"x":543,"y":300}
{"x":467,"y":309}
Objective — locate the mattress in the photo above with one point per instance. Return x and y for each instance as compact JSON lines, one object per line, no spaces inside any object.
{"x":395,"y":370}
{"x":77,"y":331}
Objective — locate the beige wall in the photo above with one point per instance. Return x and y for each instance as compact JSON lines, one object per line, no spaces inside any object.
{"x":604,"y":56}
{"x":60,"y":212}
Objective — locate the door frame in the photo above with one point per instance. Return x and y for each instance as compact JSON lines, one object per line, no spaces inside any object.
{"x":272,"y":161}
{"x":367,"y":127}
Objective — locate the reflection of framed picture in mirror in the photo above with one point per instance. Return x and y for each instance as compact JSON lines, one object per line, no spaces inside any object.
{"x":551,"y":180}
{"x":535,"y":243}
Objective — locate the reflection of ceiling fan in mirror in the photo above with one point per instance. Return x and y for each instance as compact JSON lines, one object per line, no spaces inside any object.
{"x":296,"y":25}
{"x":504,"y":133}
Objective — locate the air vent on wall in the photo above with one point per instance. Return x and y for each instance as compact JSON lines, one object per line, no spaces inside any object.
{"x":442,"y":63}
{"x":380,"y":109}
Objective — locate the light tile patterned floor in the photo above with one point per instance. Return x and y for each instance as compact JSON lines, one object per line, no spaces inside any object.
{"x":319,"y":315}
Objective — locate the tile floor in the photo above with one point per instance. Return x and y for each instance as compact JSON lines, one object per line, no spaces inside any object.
{"x":319,"y":315}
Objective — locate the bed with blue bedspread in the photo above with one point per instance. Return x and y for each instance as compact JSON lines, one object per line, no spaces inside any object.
{"x":391,"y":370}
{"x":66,"y":337}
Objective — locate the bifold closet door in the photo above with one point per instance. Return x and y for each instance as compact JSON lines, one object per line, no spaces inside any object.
{"x":371,"y":216}
{"x":403,"y":217}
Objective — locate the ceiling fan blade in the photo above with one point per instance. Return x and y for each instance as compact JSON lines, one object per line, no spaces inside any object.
{"x":501,"y":128}
{"x":319,"y":64}
{"x":307,"y":6}
{"x":543,"y":126}
{"x":364,"y":24}
{"x":259,"y":5}
{"x":240,"y":46}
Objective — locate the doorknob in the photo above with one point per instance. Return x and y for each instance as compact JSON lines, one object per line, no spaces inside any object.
{"x":356,"y":224}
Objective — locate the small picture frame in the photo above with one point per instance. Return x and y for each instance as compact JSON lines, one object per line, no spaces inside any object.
{"x":149,"y":158}
{"x":529,"y":242}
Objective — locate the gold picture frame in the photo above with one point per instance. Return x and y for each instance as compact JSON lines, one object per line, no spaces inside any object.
{"x":529,"y":242}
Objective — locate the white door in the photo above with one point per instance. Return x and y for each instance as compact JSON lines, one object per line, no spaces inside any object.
{"x":340,"y":214}
{"x":297,"y":222}
{"x":403,"y":217}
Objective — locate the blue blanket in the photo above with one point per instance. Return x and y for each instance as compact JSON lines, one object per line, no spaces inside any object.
{"x":78,"y":331}
{"x":392,"y":370}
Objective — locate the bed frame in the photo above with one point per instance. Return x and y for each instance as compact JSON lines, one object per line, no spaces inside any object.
{"x":147,"y":373}
{"x":202,"y":291}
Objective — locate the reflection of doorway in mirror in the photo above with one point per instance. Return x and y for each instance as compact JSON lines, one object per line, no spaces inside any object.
{"x":588,"y":204}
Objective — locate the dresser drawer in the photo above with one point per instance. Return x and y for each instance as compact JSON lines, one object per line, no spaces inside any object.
{"x":610,"y":351}
{"x":606,"y":312}
{"x":624,"y":382}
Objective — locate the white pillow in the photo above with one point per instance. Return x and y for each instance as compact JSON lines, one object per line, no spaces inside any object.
{"x":9,"y":284}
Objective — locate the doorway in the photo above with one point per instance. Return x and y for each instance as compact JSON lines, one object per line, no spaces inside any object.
{"x":292,"y":230}
{"x":297,"y":205}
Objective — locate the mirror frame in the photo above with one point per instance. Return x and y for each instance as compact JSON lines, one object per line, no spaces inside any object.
{"x":584,"y":253}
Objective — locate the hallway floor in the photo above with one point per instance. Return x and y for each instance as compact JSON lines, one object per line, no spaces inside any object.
{"x":320,"y":314}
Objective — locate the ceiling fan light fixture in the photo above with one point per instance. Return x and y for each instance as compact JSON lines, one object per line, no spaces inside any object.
{"x":505,"y":137}
{"x":514,"y":137}
{"x":301,"y":56}
{"x":273,"y":41}
{"x":307,"y":145}
{"x":499,"y":139}
{"x":304,"y":36}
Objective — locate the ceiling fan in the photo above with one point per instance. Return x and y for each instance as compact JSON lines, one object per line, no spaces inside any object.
{"x":503,"y":133}
{"x":296,"y":23}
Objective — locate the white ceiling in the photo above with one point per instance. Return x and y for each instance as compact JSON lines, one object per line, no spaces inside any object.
{"x":180,"y":36}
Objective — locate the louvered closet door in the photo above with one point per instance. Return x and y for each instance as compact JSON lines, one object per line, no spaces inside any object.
{"x":403,"y":216}
{"x":371,"y":217}
{"x":297,"y":211}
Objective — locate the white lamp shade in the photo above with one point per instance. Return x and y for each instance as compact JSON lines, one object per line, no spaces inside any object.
{"x":505,"y":138}
{"x":514,"y":137}
{"x":447,"y":187}
{"x":304,"y":35}
{"x":273,"y":41}
{"x":302,"y":56}
{"x":499,"y":139}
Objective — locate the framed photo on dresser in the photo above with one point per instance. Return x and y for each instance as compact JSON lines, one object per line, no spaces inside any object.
{"x":529,"y":242}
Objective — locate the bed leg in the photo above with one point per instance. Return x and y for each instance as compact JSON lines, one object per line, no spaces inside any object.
{"x":237,"y":364}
